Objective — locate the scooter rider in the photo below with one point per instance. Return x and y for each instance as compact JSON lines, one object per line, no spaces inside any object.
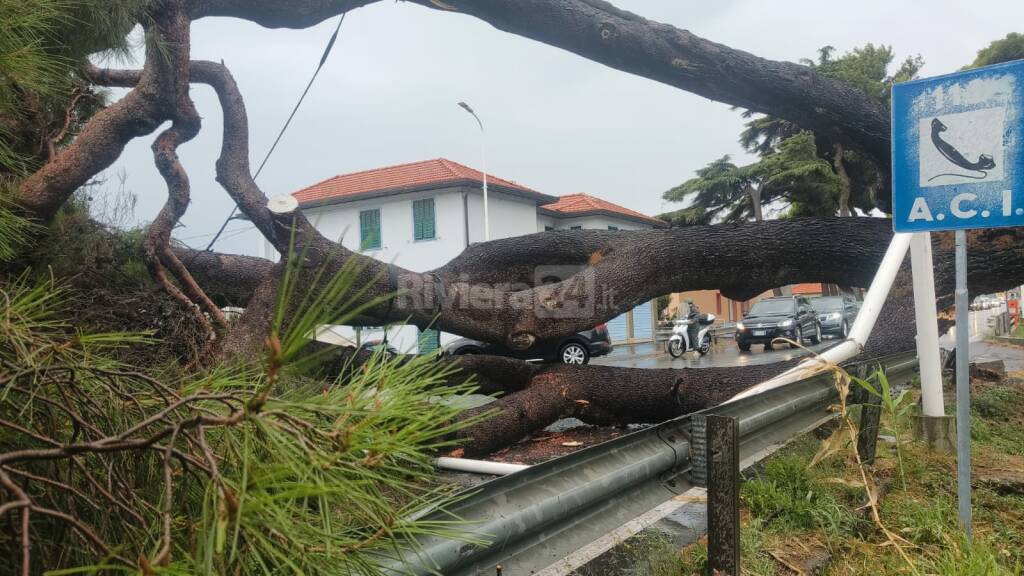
{"x":693,"y":329}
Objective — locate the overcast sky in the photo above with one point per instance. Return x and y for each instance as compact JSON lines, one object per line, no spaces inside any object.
{"x":555,"y":121}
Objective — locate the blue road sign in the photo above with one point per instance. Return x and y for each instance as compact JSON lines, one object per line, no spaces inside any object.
{"x":958,"y":150}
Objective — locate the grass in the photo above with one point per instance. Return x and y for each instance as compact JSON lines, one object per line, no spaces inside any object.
{"x":790,"y":510}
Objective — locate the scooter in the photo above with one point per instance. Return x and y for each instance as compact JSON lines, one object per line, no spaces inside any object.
{"x":680,"y":344}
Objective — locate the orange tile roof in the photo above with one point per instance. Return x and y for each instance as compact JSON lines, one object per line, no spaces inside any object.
{"x":810,"y":288}
{"x":583,"y":204}
{"x":406,"y":177}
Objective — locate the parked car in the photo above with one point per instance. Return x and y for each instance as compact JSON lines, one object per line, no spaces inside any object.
{"x":576,"y":349}
{"x":986,"y":302}
{"x":790,"y":317}
{"x":378,"y":344}
{"x":835,"y":314}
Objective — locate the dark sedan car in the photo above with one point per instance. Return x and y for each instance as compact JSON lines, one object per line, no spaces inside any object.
{"x":835,"y":314}
{"x":789,"y":317}
{"x":576,"y":349}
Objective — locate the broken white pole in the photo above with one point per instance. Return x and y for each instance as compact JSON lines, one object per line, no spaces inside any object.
{"x":927,"y":324}
{"x":854,"y":343}
{"x":479,"y":466}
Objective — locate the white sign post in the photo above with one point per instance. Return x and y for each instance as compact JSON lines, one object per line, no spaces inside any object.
{"x":958,"y":164}
{"x":930,"y":364}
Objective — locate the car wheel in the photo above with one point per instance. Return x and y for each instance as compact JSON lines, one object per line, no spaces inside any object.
{"x":705,"y":345}
{"x":574,"y":353}
{"x":744,"y":346}
{"x":816,"y":338}
{"x":845,"y":330}
{"x":798,"y":338}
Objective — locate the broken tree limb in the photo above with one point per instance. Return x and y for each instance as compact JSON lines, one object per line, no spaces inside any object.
{"x":228,"y":279}
{"x":603,"y":395}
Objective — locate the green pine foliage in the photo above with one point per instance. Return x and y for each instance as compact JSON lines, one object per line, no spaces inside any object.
{"x":14,"y":229}
{"x":255,"y":468}
{"x":42,"y":46}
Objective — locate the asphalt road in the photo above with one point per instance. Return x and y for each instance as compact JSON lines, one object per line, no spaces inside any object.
{"x":726,"y":353}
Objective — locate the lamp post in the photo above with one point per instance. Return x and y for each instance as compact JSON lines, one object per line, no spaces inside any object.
{"x":483,"y":168}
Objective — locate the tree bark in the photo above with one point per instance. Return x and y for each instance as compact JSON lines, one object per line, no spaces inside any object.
{"x":754,"y":193}
{"x":844,"y":180}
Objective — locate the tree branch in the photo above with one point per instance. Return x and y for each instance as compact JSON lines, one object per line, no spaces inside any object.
{"x":101,"y":140}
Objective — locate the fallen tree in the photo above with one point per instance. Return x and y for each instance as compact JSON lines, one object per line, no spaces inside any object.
{"x":491,"y":291}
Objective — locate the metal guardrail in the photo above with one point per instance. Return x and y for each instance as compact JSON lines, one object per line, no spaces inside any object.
{"x":536,"y":517}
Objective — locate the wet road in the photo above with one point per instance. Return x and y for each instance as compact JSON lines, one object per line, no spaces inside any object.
{"x":726,"y":353}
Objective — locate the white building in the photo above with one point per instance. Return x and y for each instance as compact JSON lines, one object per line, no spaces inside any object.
{"x":422,"y":214}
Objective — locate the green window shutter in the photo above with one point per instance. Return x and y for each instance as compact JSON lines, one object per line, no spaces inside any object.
{"x":429,"y":341}
{"x":423,"y":219}
{"x":369,"y":229}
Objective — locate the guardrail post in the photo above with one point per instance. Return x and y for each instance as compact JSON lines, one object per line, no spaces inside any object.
{"x":859,"y":394}
{"x":699,"y":450}
{"x":867,"y":435}
{"x":723,"y":479}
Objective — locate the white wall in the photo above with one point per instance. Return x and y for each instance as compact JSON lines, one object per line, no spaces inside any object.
{"x":510,"y":216}
{"x":341,"y":221}
{"x":597,"y":222}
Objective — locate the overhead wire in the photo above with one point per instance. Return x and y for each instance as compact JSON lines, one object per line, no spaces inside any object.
{"x":323,"y":60}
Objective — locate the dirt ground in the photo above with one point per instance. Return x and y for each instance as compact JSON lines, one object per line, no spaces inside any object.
{"x":543,"y":446}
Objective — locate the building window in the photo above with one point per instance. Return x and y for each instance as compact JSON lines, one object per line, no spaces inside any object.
{"x":549,"y":228}
{"x":369,"y":229}
{"x":614,"y":228}
{"x":423,"y":227}
{"x":575,"y":227}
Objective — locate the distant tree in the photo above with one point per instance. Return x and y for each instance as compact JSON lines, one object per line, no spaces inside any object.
{"x":999,"y":51}
{"x":791,"y":172}
{"x":865,"y":68}
{"x":795,"y":174}
{"x":721,"y":191}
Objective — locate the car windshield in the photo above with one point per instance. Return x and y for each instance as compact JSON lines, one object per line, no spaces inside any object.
{"x":827,"y":304}
{"x":769,"y":307}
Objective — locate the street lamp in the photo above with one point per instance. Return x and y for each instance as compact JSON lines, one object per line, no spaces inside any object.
{"x":483,"y":168}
